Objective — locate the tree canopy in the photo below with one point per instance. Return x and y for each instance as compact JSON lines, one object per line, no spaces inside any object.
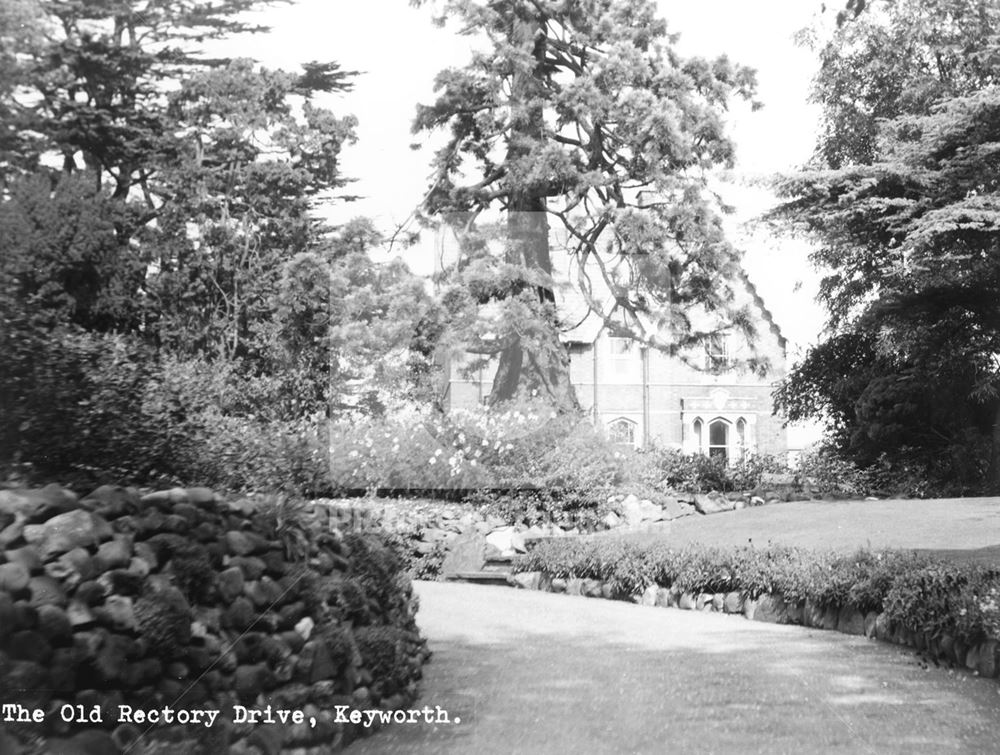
{"x":581,"y":118}
{"x":905,"y":213}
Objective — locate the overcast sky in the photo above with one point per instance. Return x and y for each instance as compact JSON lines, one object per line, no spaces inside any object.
{"x":398,"y":51}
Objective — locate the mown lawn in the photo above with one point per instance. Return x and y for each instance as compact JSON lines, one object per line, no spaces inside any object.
{"x":965,"y":529}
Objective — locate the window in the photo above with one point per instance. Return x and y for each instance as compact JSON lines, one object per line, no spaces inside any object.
{"x":622,"y":431}
{"x":698,"y":436}
{"x":718,"y":439}
{"x":717,"y":352}
{"x":623,"y":355}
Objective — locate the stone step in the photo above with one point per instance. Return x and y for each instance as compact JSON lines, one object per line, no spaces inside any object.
{"x":480,"y":577}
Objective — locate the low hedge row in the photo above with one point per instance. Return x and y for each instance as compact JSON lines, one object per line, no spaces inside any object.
{"x":922,"y":594}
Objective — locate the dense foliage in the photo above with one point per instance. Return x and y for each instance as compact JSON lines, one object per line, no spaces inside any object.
{"x":580,"y":121}
{"x":171,"y":307}
{"x":922,"y":594}
{"x":902,"y":200}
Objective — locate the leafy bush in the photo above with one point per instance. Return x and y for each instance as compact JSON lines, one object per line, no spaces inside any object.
{"x":72,"y":406}
{"x":828,"y":473}
{"x":696,"y":473}
{"x":919,"y":593}
{"x":383,"y":653}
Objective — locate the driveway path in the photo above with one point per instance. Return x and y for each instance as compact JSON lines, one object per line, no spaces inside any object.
{"x":531,"y":672}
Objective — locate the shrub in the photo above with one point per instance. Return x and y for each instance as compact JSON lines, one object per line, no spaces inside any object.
{"x":383,"y":654}
{"x":828,"y":473}
{"x":72,"y":407}
{"x":696,"y":473}
{"x":919,"y":593}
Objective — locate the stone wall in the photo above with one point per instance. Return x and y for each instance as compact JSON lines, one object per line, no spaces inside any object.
{"x":118,"y":604}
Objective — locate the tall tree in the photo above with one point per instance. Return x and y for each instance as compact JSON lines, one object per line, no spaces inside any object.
{"x":214,"y":164}
{"x":909,"y":229}
{"x":581,"y":115}
{"x":892,"y":57}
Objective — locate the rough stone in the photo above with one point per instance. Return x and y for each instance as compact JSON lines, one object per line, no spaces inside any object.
{"x":732,"y":603}
{"x":648,"y":597}
{"x":46,"y":591}
{"x":851,"y":621}
{"x":119,"y":612}
{"x":502,"y":539}
{"x":712,"y":503}
{"x":53,"y":623}
{"x":796,"y":613}
{"x":466,"y":553}
{"x":251,"y":566}
{"x":230,"y":584}
{"x":591,"y":588}
{"x":13,"y":530}
{"x":527,"y":580}
{"x":14,"y":577}
{"x":812,"y":615}
{"x":79,"y":614}
{"x":983,"y":659}
{"x":115,"y":553}
{"x":29,"y":645}
{"x":831,"y":617}
{"x":770,"y":608}
{"x":871,"y":620}
{"x":687,"y":601}
{"x":672,"y":508}
{"x":239,"y":543}
{"x":612,"y":520}
{"x":305,"y":627}
{"x":200,"y":496}
{"x":64,"y":532}
{"x":27,"y":556}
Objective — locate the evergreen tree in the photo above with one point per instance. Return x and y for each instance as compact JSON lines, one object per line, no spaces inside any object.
{"x":909,"y":236}
{"x":580,"y":118}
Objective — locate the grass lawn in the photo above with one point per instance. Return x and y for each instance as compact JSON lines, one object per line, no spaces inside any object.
{"x":966,"y":529}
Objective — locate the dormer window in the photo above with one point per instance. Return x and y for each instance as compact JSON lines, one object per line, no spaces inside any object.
{"x":624,"y":361}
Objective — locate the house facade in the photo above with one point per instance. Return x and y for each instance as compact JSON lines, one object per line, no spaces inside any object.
{"x":698,"y":402}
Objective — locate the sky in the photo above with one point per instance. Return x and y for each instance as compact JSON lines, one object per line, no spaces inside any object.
{"x":397,"y":51}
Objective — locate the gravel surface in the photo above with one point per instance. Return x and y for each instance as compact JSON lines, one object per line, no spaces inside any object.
{"x":530,"y":672}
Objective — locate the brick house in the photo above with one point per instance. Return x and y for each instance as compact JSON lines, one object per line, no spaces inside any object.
{"x":641,"y":396}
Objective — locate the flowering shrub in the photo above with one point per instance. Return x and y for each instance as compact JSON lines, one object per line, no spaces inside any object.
{"x":529,"y":448}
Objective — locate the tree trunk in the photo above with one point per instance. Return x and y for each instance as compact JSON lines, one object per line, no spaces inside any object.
{"x":539,"y":364}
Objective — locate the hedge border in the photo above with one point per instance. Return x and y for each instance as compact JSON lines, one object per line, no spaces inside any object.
{"x":581,"y":568}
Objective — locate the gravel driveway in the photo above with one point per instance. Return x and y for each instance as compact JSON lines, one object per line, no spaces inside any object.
{"x":530,"y":672}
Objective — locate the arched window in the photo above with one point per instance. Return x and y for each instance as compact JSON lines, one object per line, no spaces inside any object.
{"x":699,"y":440}
{"x":622,"y":431}
{"x":718,"y":439}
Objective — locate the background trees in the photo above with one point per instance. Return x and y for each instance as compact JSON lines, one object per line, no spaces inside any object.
{"x":582,"y":117}
{"x":167,"y":291}
{"x":903,"y":201}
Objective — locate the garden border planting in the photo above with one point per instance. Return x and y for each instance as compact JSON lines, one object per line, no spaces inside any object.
{"x":950,"y":612}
